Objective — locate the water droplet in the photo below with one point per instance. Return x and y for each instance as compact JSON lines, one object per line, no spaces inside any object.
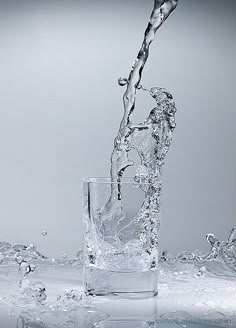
{"x":19,"y":248}
{"x":186,"y":256}
{"x":19,"y":259}
{"x":79,"y":253}
{"x":231,"y":235}
{"x":24,"y":268}
{"x":166,"y":256}
{"x":210,"y":238}
{"x":32,"y":267}
{"x":31,"y":248}
{"x":202,"y":272}
{"x":234,"y":242}
{"x":44,"y":233}
{"x":122,"y":81}
{"x":140,"y":87}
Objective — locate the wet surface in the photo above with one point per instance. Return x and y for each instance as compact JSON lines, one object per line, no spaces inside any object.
{"x":185,"y":300}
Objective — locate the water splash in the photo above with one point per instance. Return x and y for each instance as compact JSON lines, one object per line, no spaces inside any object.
{"x":27,"y":259}
{"x":222,"y":252}
{"x":219,"y":261}
{"x":26,"y":256}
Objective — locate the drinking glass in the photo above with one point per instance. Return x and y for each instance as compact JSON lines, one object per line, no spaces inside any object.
{"x":121,"y":237}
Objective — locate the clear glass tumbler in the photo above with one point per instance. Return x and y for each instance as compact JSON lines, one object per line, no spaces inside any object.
{"x":121,"y":237}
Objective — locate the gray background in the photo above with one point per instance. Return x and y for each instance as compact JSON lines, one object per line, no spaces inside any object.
{"x":60,"y":108}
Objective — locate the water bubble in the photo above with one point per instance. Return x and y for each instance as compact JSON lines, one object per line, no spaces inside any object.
{"x":44,"y":233}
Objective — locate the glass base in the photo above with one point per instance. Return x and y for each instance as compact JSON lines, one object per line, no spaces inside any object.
{"x":99,"y":282}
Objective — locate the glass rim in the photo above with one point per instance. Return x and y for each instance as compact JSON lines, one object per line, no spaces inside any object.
{"x":107,"y":180}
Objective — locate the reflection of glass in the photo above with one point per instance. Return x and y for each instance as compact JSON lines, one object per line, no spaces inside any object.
{"x":80,"y":318}
{"x":121,"y":240}
{"x":126,"y":324}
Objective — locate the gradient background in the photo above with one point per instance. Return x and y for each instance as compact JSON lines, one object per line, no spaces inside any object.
{"x":60,"y":108}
